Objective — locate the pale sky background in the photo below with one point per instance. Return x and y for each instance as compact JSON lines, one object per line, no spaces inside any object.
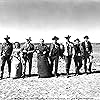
{"x":46,"y":18}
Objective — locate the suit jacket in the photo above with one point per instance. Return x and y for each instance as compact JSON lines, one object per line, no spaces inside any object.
{"x":86,"y":52}
{"x":68,"y":49}
{"x":27,"y":47}
{"x":55,"y":50}
{"x":77,"y":50}
{"x":89,"y":46}
{"x":6,"y":49}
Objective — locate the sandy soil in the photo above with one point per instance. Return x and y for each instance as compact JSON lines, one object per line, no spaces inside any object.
{"x":82,"y":87}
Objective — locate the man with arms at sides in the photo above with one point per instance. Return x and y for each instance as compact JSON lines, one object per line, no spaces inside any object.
{"x":77,"y":55}
{"x":87,"y":51}
{"x":54,"y":54}
{"x":6,"y":52}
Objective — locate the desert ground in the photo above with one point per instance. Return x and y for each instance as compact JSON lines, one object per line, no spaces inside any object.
{"x":82,"y":87}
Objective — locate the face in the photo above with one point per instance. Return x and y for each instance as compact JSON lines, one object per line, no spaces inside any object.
{"x":28,"y":41}
{"x":86,"y":39}
{"x":76,"y":42}
{"x":16,"y":45}
{"x":6,"y":40}
{"x":55,"y":41}
{"x":41,"y":41}
{"x":67,"y":40}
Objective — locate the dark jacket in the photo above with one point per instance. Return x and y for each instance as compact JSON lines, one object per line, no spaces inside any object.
{"x":55,"y":50}
{"x":41,"y":49}
{"x":30,"y":47}
{"x":6,"y":49}
{"x":78,"y":50}
{"x":86,"y":53}
{"x":89,"y":47}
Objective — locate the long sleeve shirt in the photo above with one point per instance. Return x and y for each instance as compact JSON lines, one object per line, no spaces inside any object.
{"x":68,"y":46}
{"x":6,"y":49}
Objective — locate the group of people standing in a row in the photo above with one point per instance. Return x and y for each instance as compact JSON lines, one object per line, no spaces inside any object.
{"x":47,"y":56}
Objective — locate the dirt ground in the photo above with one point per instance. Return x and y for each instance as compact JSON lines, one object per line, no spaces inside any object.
{"x":82,"y":87}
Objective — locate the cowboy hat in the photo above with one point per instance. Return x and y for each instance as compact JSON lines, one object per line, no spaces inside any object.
{"x":55,"y":38}
{"x":67,"y":37}
{"x":86,"y":37}
{"x":7,"y":37}
{"x":29,"y":39}
{"x":77,"y":40}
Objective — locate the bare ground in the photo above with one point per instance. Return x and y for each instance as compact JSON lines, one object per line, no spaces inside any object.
{"x":82,"y":87}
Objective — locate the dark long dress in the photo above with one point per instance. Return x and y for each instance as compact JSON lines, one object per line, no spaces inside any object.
{"x":42,"y":61}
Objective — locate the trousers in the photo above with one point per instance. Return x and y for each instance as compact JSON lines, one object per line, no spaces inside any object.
{"x":3,"y":61}
{"x":68,"y":63}
{"x":78,"y":63}
{"x":29,"y":59}
{"x":85,"y":65}
{"x":54,"y":61}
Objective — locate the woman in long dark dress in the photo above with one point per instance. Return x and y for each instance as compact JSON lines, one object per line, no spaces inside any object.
{"x":42,"y":60}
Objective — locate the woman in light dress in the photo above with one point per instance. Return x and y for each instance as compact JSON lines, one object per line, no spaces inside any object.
{"x":16,"y":65}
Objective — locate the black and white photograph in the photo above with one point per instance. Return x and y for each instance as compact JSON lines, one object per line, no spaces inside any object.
{"x":49,"y":50}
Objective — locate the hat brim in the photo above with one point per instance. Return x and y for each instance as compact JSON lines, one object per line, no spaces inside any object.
{"x":55,"y":38}
{"x":28,"y":39}
{"x":76,"y":40}
{"x":86,"y":37}
{"x":67,"y":37}
{"x":7,"y":38}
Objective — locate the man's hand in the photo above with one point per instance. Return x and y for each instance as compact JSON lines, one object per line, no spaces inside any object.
{"x":30,"y":52}
{"x":49,"y":54}
{"x":37,"y":51}
{"x":44,"y":52}
{"x":24,"y":51}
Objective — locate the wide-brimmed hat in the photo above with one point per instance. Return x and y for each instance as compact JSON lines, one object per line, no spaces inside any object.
{"x":67,"y":37}
{"x":86,"y":37}
{"x":55,"y":38}
{"x":29,"y":39}
{"x":7,"y":37}
{"x":77,"y":40}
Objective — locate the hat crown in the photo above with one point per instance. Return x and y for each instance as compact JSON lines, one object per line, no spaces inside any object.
{"x":7,"y":37}
{"x":86,"y":37}
{"x":67,"y":37}
{"x":28,"y":38}
{"x":77,"y":39}
{"x":55,"y":38}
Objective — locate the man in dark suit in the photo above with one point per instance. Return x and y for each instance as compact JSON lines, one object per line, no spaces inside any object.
{"x":54,"y":54}
{"x":77,"y":55}
{"x":6,"y":52}
{"x":27,"y":49}
{"x":87,"y":50}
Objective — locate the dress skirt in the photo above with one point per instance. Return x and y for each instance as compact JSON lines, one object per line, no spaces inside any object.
{"x":16,"y":68}
{"x":43,"y":67}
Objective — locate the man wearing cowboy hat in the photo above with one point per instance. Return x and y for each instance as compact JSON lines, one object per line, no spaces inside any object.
{"x":27,"y":49}
{"x":77,"y":55}
{"x":68,"y":53}
{"x":6,"y":52}
{"x":54,"y":54}
{"x":87,"y":50}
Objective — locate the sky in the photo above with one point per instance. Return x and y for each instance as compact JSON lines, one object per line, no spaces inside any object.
{"x":37,"y":19}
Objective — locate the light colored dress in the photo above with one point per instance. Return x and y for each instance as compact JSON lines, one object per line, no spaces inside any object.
{"x":16,"y":65}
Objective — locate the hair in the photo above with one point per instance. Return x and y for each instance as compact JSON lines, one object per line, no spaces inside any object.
{"x":18,"y":46}
{"x":42,"y":39}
